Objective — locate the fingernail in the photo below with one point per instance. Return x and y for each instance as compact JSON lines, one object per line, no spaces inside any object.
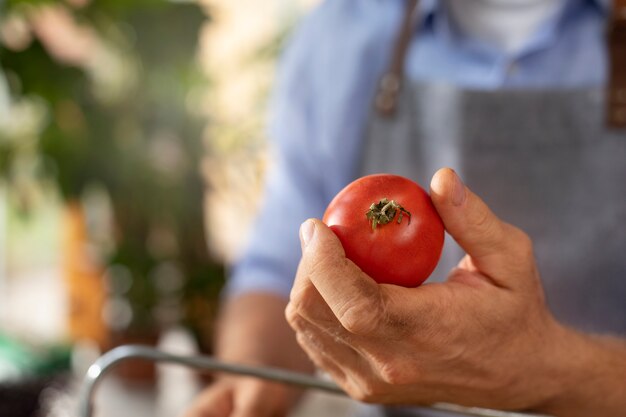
{"x":458,"y":191}
{"x":306,"y":232}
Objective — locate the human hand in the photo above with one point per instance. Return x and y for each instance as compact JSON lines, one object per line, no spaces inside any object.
{"x":242,"y":397}
{"x":482,"y":338}
{"x":252,"y":330}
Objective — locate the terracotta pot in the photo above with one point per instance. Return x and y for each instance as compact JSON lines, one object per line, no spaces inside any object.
{"x":83,"y":280}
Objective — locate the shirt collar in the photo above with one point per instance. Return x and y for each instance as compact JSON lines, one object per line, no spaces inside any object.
{"x":432,"y":14}
{"x":428,"y":9}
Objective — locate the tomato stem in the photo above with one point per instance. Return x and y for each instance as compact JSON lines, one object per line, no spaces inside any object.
{"x":385,"y":211}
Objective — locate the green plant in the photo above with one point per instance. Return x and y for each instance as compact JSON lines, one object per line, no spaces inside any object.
{"x":120,"y":115}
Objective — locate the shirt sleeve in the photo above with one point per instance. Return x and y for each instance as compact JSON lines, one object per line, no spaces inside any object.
{"x":294,"y":189}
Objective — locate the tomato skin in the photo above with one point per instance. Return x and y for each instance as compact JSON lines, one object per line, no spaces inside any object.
{"x":402,"y":254}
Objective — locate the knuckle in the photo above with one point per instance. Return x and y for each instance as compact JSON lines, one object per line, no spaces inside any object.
{"x":522,"y":244}
{"x":292,"y":316}
{"x":518,"y":236}
{"x":488,"y":229}
{"x":360,"y":316}
{"x":365,"y":391}
{"x":395,"y":373}
{"x":326,"y":263}
{"x":483,"y":220}
{"x":301,"y":298}
{"x":526,"y":244}
{"x":354,"y":392}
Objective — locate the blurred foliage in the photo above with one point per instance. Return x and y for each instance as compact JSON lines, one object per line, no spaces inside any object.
{"x":124,"y":119}
{"x":18,"y":359}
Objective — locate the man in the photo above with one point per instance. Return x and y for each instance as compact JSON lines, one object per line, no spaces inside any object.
{"x":509,"y":94}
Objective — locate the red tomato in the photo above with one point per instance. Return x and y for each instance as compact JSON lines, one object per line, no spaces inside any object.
{"x":389,"y":227}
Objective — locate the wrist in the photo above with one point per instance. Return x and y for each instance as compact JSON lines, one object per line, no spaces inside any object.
{"x":587,"y":374}
{"x":566,"y":354}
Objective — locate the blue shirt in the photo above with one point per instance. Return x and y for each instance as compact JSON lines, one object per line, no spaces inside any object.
{"x":326,"y":83}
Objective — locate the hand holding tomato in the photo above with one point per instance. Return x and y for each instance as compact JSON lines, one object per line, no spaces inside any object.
{"x":483,"y":338}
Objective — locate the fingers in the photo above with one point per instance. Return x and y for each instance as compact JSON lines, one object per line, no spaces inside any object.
{"x":214,"y":401}
{"x":306,"y":301}
{"x":240,"y":397}
{"x":325,"y":351}
{"x":348,"y":368}
{"x":254,"y":399}
{"x":496,"y":248}
{"x":352,"y":296}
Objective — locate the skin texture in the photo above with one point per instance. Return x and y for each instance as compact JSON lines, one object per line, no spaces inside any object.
{"x":482,"y":338}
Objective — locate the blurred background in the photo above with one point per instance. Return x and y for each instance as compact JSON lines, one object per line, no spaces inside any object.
{"x":132,"y":153}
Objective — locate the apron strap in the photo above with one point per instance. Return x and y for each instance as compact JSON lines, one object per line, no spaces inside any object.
{"x":616,"y":39}
{"x":389,"y":86}
{"x":391,"y":82}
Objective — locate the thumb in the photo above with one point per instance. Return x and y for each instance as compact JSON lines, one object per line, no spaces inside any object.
{"x":497,"y":249}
